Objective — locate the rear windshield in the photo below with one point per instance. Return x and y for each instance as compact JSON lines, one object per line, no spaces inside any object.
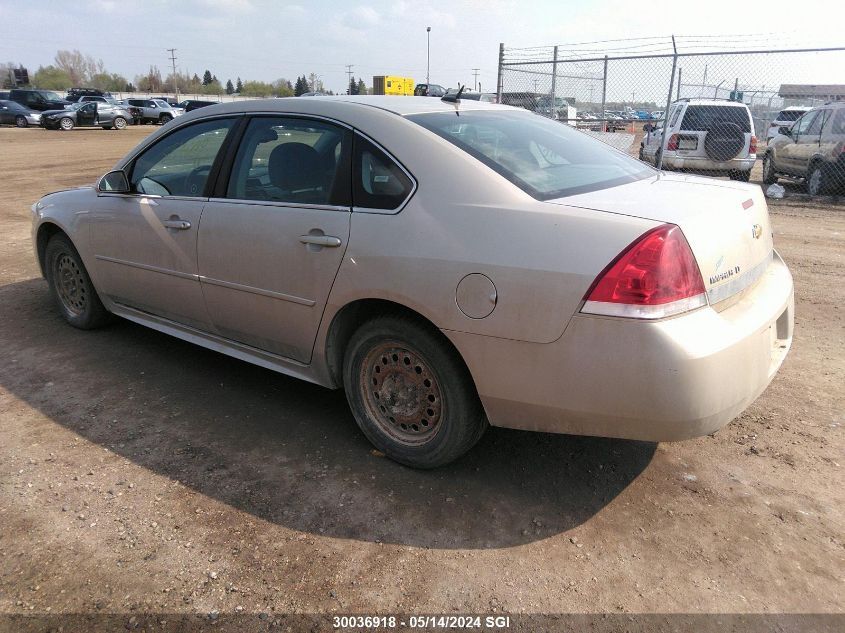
{"x":700,"y":118}
{"x":789,"y":115}
{"x":545,"y":158}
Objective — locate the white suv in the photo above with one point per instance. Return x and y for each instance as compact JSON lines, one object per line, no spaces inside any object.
{"x":785,"y":118}
{"x":705,"y":135}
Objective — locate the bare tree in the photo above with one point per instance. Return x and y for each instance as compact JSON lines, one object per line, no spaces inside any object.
{"x":80,"y":68}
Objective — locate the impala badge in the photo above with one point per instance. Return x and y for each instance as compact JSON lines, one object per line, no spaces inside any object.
{"x":756,"y":231}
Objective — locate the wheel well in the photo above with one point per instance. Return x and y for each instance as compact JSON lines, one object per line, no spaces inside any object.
{"x":45,"y":232}
{"x":355,"y":314}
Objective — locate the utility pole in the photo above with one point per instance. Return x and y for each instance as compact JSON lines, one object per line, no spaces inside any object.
{"x":175,"y":80}
{"x":349,"y":78}
{"x":475,"y":77}
{"x":427,"y":56}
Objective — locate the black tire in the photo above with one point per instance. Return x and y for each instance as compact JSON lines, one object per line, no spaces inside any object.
{"x":770,"y":177}
{"x":71,"y":286}
{"x":164,"y":118}
{"x":743,"y":176}
{"x":410,"y":393}
{"x":723,"y":141}
{"x":21,"y":121}
{"x":818,"y":183}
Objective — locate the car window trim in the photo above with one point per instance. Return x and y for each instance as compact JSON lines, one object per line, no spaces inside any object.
{"x":403,"y":204}
{"x":218,"y":193}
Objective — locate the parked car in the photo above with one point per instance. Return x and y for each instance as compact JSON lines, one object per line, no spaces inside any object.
{"x":429,"y":90}
{"x":75,"y":94}
{"x":570,"y":288}
{"x":13,"y":113}
{"x":40,"y":100}
{"x":705,"y":136}
{"x":154,"y":110}
{"x":192,"y":104}
{"x":486,"y":97}
{"x":812,"y":148}
{"x":785,"y":118}
{"x":4,"y":95}
{"x":657,"y":115}
{"x":87,"y":98}
{"x":87,"y":114}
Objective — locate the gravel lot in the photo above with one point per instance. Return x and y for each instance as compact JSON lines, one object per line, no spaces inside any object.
{"x":142,"y":474}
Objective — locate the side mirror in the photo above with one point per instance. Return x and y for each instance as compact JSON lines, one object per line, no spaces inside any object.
{"x":114,"y":182}
{"x":783,"y":129}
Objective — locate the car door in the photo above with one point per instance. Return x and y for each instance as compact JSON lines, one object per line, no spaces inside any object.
{"x":790,"y":154}
{"x":271,"y":242}
{"x":808,"y":141}
{"x":87,"y":114}
{"x":145,"y":242}
{"x":6,"y":114}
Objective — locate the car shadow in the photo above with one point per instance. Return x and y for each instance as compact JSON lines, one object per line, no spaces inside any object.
{"x":287,"y":451}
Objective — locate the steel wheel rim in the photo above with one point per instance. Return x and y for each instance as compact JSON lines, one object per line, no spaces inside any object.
{"x":66,"y":124}
{"x":20,"y":121}
{"x":70,"y":285}
{"x":401,"y":393}
{"x":815,"y":181}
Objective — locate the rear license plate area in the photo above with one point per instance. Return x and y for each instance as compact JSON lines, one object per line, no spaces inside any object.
{"x":688,"y":142}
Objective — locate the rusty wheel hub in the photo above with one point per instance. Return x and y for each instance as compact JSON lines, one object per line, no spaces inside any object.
{"x":70,"y":285}
{"x":401,"y":393}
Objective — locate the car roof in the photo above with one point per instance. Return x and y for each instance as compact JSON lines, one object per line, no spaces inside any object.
{"x":716,"y":102}
{"x":402,"y":106}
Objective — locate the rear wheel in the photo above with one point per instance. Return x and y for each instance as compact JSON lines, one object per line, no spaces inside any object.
{"x":21,"y":121}
{"x":410,"y":394}
{"x":119,"y":123}
{"x":71,"y":286}
{"x":66,"y":124}
{"x":817,"y":181}
{"x":769,"y":175}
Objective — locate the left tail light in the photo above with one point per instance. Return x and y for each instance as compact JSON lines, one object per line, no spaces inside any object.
{"x":752,"y":146}
{"x":654,"y":277}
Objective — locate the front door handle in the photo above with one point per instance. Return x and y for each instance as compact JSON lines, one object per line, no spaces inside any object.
{"x":179,"y":225}
{"x":320,"y":240}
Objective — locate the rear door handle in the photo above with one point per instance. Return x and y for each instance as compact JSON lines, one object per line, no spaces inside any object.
{"x":179,"y":225}
{"x":320,"y":240}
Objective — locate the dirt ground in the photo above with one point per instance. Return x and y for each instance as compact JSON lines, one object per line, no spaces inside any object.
{"x":139,"y":473}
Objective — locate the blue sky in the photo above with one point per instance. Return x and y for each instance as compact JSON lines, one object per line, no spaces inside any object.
{"x":265,"y":40}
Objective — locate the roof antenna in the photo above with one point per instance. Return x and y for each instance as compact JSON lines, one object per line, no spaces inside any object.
{"x":454,"y":98}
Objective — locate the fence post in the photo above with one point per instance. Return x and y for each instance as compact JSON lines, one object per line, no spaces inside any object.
{"x":679,"y":84}
{"x":554,"y":86}
{"x":659,"y":164}
{"x":500,"y":78}
{"x":604,"y":96}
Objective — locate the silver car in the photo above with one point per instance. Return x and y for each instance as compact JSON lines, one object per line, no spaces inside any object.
{"x":450,"y":265}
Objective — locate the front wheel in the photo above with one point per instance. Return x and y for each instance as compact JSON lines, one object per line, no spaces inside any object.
{"x":817,"y":182}
{"x":66,"y":124}
{"x":71,"y":286}
{"x":165,"y":118}
{"x":21,"y":121}
{"x":769,"y":175}
{"x":410,"y":393}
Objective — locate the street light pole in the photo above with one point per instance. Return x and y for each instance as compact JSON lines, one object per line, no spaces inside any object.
{"x":427,"y":55}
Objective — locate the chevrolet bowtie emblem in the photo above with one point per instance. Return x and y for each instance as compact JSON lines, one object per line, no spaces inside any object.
{"x":756,"y":231}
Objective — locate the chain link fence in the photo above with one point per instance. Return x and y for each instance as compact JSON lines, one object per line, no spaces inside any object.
{"x":763,"y":115}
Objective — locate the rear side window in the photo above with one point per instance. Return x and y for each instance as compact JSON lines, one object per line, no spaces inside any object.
{"x":378,"y":182}
{"x":700,"y":118}
{"x":838,"y":125}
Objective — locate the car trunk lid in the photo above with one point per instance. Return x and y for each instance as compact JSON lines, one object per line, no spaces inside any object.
{"x":726,"y":223}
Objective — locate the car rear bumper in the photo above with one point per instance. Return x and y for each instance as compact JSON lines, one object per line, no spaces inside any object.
{"x":694,"y":163}
{"x":657,"y":381}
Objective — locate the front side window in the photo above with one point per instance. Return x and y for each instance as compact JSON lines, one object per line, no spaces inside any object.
{"x":180,"y":163}
{"x":803,"y":124}
{"x":816,"y":126}
{"x":298,"y":161}
{"x":540,"y":156}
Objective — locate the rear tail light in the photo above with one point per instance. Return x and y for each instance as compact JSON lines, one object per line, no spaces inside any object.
{"x":752,"y":147}
{"x":655,"y":277}
{"x":672,"y":144}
